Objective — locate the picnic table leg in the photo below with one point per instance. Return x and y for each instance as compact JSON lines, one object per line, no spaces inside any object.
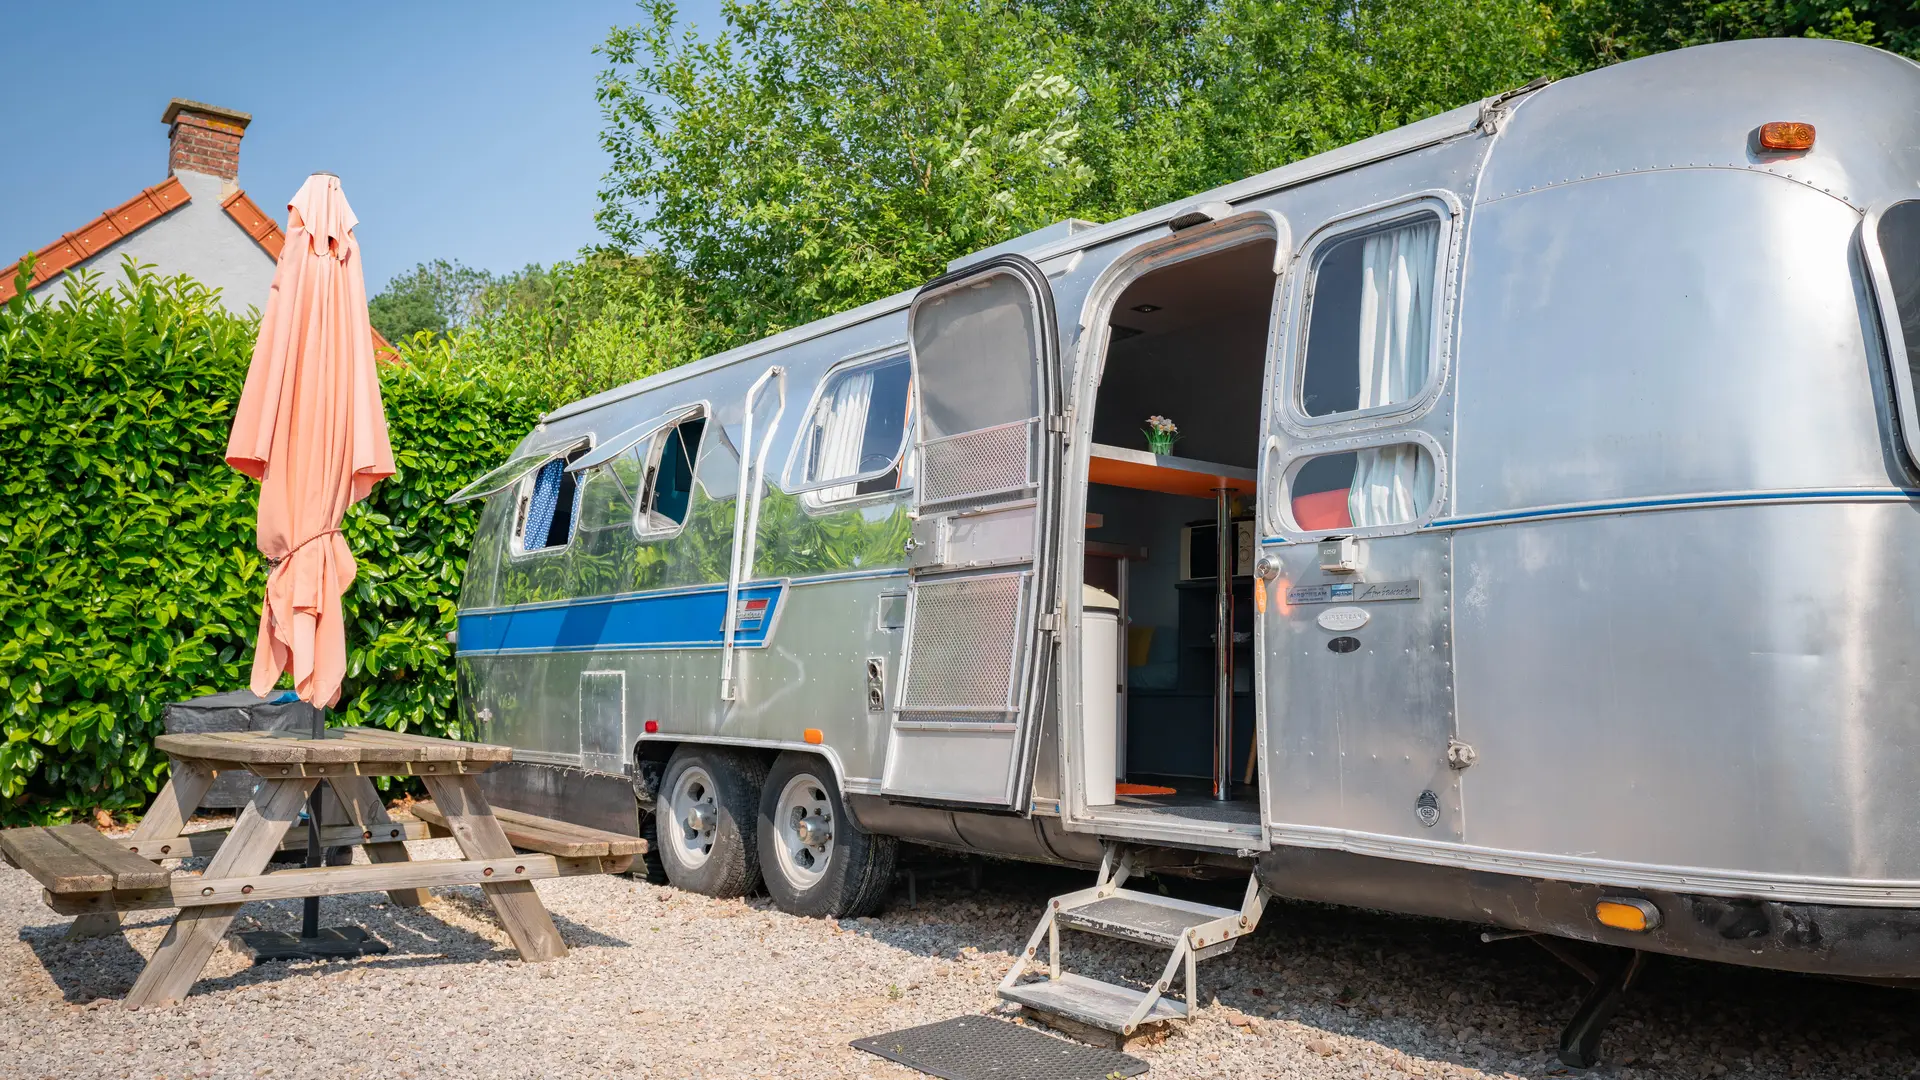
{"x":474,"y":827}
{"x":364,"y":808}
{"x":168,"y":816}
{"x":174,"y":967}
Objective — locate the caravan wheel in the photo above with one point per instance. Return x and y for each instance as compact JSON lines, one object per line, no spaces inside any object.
{"x":816,"y":860}
{"x":705,"y":821}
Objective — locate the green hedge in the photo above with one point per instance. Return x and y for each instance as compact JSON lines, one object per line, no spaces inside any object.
{"x":128,"y":575}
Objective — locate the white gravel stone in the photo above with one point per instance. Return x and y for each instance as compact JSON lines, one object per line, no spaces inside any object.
{"x":667,"y":984}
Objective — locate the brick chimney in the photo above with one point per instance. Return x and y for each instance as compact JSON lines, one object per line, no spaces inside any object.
{"x":204,"y":138}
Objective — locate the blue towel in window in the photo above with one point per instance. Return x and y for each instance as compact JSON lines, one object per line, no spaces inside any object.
{"x":546,"y":498}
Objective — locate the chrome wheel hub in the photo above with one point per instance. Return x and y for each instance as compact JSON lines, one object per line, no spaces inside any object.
{"x":691,"y":817}
{"x":804,"y":825}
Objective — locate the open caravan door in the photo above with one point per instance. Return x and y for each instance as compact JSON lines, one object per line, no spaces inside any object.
{"x":988,"y":452}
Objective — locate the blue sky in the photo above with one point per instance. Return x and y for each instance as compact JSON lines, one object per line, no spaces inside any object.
{"x":460,"y":130}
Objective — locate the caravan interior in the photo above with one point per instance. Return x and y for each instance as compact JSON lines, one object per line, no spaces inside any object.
{"x":1187,"y":341}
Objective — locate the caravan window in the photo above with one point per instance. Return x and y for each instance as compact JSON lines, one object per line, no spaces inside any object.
{"x":1900,"y":249}
{"x":853,"y":440}
{"x":609,"y":493}
{"x":1362,"y":489}
{"x":545,"y":508}
{"x":1371,"y":303}
{"x":667,"y":485}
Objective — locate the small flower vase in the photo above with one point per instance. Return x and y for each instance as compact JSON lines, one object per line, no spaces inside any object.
{"x":1160,"y":442}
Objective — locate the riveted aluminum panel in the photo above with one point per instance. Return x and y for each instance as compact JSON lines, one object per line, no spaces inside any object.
{"x":1719,"y":345}
{"x":1725,"y":687}
{"x":603,"y":720}
{"x":1358,"y":720}
{"x":1698,"y":108}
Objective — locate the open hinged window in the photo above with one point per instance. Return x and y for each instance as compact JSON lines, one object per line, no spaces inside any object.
{"x":517,"y":468}
{"x":855,"y":434}
{"x":546,"y":507}
{"x":667,"y":486}
{"x":644,"y":475}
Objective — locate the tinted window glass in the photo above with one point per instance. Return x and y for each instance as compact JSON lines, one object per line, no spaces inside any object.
{"x":1361,"y":489}
{"x":857,"y":430}
{"x":1900,"y":247}
{"x":1370,"y":326}
{"x":672,"y":490}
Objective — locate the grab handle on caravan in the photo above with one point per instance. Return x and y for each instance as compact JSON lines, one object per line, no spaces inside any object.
{"x":746,"y":513}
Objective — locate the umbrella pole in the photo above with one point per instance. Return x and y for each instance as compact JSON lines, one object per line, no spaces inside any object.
{"x":313,"y":942}
{"x":310,"y":913}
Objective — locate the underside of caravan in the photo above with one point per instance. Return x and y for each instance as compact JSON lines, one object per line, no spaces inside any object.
{"x":1509,"y":518}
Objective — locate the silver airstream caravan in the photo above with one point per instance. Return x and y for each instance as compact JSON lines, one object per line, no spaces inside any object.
{"x":1541,"y":550}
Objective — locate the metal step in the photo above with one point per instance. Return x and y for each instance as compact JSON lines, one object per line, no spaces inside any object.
{"x":1143,"y":917}
{"x":1090,"y":1001}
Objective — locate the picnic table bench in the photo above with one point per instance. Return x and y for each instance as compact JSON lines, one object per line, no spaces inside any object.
{"x":95,"y":877}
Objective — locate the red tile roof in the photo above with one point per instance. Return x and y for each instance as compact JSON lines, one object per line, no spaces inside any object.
{"x":101,"y":233}
{"x":142,"y":210}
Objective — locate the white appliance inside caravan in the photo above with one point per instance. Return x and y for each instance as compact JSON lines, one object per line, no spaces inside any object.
{"x":1188,"y":342}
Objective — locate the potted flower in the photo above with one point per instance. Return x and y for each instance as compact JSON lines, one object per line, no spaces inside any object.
{"x":1161,"y":434}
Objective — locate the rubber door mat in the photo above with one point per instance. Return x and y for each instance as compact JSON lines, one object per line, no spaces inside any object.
{"x":983,"y":1048}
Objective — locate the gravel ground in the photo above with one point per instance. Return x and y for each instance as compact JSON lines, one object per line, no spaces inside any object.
{"x":668,"y":984}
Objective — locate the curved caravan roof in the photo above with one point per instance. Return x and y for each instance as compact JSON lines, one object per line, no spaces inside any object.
{"x":1689,"y":109}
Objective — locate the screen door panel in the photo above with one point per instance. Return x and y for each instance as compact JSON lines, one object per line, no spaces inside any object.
{"x":967,"y":666}
{"x":983,"y":363}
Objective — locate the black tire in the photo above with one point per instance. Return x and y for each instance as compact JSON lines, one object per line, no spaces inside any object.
{"x":722,"y":860}
{"x":648,"y":867}
{"x":858,"y":867}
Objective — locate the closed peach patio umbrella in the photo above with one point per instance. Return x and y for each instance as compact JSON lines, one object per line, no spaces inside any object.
{"x":311,"y":429}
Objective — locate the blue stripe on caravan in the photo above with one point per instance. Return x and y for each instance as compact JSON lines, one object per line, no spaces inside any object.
{"x":680,"y":619}
{"x":1678,"y":502}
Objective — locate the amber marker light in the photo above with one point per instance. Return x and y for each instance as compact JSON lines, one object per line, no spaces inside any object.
{"x":1624,"y":913}
{"x":813,"y":736}
{"x":1780,"y":135}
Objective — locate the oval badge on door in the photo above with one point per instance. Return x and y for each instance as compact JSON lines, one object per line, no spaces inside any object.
{"x":1341,"y":620}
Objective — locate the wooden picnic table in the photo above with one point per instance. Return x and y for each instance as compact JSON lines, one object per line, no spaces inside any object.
{"x":89,"y":875}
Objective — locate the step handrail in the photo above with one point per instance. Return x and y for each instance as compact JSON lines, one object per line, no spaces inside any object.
{"x":746,"y":522}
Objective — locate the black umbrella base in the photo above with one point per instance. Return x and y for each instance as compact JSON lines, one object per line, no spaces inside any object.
{"x":332,"y":943}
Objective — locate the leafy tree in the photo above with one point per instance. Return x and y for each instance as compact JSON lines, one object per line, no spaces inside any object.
{"x":584,"y":326}
{"x":1189,"y":95}
{"x":814,"y":155}
{"x":1604,"y":31}
{"x":435,"y":297}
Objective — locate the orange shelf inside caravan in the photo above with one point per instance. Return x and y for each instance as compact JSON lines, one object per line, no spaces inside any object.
{"x":1119,"y":467}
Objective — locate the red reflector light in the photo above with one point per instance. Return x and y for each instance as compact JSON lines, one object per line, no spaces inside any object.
{"x":653,"y":727}
{"x":1786,"y":135}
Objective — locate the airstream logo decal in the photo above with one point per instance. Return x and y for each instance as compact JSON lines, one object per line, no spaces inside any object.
{"x":751,"y":614}
{"x":1354,"y":592}
{"x":1342,"y":619}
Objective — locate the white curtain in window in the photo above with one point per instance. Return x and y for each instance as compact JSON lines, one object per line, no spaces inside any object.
{"x":1394,"y":484}
{"x":841,"y":432}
